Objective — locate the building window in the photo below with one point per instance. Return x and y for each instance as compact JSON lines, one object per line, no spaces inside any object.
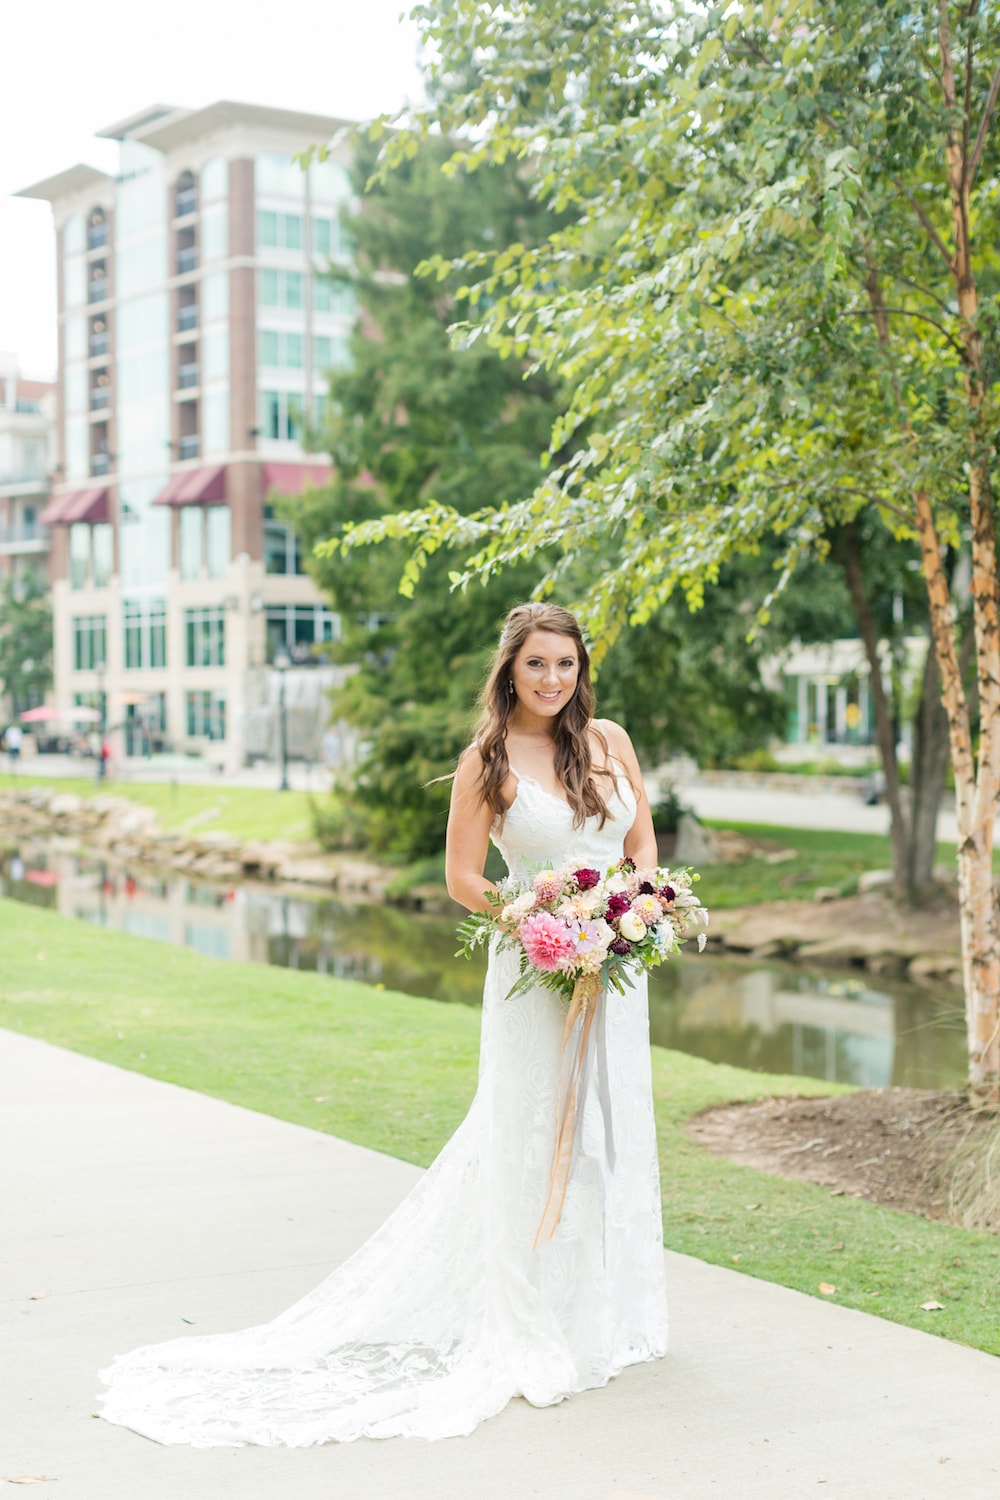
{"x":279,"y":231}
{"x":281,"y":349}
{"x":331,"y":295}
{"x":102,"y":554}
{"x":300,"y":628}
{"x":145,"y":633}
{"x":215,"y":233}
{"x":280,"y":288}
{"x":206,"y":715}
{"x":79,"y":556}
{"x":218,"y":540}
{"x":215,"y":179}
{"x":133,"y":634}
{"x":205,"y":634}
{"x":145,"y":725}
{"x":281,"y":415}
{"x":215,"y":297}
{"x":192,"y":536}
{"x":282,"y":548}
{"x":279,"y":176}
{"x":157,"y":633}
{"x":330,"y":352}
{"x":89,"y":642}
{"x":206,"y":541}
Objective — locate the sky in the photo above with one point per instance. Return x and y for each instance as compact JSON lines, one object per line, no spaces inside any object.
{"x":68,"y":70}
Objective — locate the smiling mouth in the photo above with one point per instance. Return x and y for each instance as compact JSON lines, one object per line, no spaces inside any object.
{"x":549,"y":697}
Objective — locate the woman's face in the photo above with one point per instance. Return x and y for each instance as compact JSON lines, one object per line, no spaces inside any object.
{"x":545,"y":673}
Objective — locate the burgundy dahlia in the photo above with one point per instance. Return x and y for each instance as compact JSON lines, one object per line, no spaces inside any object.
{"x":645,"y":889}
{"x":618,"y":905}
{"x":587,"y":879}
{"x":666,"y":892}
{"x":621,"y":947}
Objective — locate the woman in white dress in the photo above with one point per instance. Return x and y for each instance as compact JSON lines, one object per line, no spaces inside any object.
{"x":450,"y":1310}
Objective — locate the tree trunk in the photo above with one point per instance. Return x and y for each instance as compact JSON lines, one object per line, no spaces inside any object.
{"x":978,"y":805}
{"x":927,"y":774}
{"x":885,"y":733}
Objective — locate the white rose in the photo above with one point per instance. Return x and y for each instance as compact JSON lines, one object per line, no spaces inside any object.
{"x":605,"y":935}
{"x":519,"y":908}
{"x":632,"y":927}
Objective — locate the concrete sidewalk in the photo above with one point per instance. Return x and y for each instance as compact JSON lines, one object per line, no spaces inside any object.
{"x":143,"y":1211}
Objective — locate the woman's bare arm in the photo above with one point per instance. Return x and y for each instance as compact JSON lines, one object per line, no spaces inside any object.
{"x":469,"y":822}
{"x":640,"y":841}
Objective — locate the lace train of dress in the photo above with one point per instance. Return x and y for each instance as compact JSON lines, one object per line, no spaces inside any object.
{"x":447,"y":1312}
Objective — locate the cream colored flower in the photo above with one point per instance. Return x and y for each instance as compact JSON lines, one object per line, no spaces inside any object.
{"x":632,"y":927}
{"x":519,"y":908}
{"x":581,"y":906}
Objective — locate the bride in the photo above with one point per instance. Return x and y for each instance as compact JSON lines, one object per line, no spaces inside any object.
{"x":449,"y":1311}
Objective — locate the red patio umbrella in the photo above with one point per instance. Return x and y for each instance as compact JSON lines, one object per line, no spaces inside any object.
{"x":40,"y":715}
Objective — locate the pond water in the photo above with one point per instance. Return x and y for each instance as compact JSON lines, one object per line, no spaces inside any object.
{"x":839,"y":1024}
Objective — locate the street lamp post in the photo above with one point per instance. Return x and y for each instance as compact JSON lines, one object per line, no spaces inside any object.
{"x":282,"y":661}
{"x":100,"y":668}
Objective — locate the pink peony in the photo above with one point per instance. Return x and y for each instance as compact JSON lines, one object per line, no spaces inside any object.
{"x":547,"y":941}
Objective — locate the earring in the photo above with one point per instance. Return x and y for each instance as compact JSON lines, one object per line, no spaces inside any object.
{"x":510,"y":687}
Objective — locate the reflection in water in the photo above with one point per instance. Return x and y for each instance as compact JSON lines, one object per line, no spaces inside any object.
{"x":781,"y":1018}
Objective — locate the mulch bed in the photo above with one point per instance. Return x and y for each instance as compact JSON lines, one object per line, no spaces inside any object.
{"x":894,"y":1147}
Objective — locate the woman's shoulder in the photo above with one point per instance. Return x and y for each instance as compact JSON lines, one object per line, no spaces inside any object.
{"x":615,"y":735}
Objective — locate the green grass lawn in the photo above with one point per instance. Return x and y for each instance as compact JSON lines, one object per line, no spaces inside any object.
{"x":248,"y":813}
{"x":822,"y":857}
{"x":397,"y":1074}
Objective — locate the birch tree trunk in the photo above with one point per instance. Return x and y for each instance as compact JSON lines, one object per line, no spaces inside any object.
{"x":978,"y":805}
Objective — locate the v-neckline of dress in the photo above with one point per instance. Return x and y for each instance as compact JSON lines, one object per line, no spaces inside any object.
{"x":533,"y":781}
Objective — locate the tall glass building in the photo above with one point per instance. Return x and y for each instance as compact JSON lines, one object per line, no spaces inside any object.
{"x":198,"y":324}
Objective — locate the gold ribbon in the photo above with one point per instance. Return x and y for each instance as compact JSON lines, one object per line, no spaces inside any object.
{"x":583,"y":1007}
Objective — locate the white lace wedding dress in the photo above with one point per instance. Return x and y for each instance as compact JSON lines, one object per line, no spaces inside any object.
{"x":447,"y":1312}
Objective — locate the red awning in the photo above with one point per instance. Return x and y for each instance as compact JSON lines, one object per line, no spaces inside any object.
{"x":292,"y":479}
{"x":88,"y":506}
{"x":195,"y":487}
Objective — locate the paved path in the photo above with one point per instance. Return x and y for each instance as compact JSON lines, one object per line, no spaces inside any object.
{"x":142,"y":1210}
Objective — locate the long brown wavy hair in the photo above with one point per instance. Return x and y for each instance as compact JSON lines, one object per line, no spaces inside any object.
{"x":573,"y":760}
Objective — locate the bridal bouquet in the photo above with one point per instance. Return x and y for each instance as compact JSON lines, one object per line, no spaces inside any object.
{"x":569,"y":924}
{"x":577,"y":931}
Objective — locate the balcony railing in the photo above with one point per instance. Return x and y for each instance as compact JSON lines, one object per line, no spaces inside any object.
{"x":187,"y":375}
{"x":188,"y":446}
{"x":187,"y":259}
{"x":97,"y":236}
{"x":185,"y":201}
{"x":33,"y":477}
{"x":98,"y":345}
{"x":98,"y":289}
{"x":31,"y":531}
{"x":100,"y":397}
{"x":100,"y":463}
{"x":187,"y":317}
